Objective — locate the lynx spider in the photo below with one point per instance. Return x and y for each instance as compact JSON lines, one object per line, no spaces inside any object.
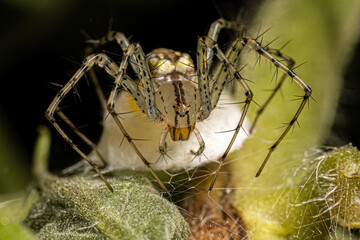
{"x":163,"y":70}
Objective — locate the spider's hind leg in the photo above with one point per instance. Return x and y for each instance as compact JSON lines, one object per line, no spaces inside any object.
{"x":254,"y":45}
{"x":290,"y":64}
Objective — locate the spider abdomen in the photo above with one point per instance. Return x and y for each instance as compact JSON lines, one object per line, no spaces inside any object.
{"x":178,"y":103}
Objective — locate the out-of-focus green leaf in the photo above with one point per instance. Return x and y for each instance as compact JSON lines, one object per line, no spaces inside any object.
{"x":13,"y":174}
{"x":323,"y":34}
{"x":11,"y":229}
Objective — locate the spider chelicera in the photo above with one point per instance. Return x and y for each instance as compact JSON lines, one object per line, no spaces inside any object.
{"x":169,"y":89}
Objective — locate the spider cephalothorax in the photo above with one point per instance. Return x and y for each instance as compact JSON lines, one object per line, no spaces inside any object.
{"x":176,"y":95}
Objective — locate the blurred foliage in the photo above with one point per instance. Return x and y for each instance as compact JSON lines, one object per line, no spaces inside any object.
{"x":324,"y":35}
{"x":13,"y":173}
{"x":12,"y":229}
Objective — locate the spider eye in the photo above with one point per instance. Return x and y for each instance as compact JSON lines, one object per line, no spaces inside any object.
{"x":153,"y":62}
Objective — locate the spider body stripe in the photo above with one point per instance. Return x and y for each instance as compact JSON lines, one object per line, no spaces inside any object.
{"x":181,"y":122}
{"x":177,"y":100}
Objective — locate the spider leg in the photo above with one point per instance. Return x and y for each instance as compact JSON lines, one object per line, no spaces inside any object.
{"x":146,"y":81}
{"x":201,"y":143}
{"x":290,"y":64}
{"x":204,"y":59}
{"x":101,"y":97}
{"x":81,"y":135}
{"x":221,"y":73}
{"x":101,"y":60}
{"x":123,"y":42}
{"x":121,"y":39}
{"x":203,"y":78}
{"x":215,"y":30}
{"x":162,"y":145}
{"x":132,"y":87}
{"x":145,"y":97}
{"x":208,"y":42}
{"x":254,"y":45}
{"x":121,"y":80}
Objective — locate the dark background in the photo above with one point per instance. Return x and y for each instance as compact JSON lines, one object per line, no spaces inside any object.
{"x":42,"y":45}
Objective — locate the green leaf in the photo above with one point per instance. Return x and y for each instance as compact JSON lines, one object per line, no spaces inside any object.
{"x":11,"y":229}
{"x":323,"y":34}
{"x":83,"y":207}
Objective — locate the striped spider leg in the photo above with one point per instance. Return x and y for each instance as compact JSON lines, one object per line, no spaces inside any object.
{"x":214,"y":32}
{"x":290,"y":64}
{"x":269,"y":55}
{"x":208,"y":95}
{"x":100,"y":60}
{"x":112,"y":69}
{"x":147,"y":99}
{"x":226,"y":59}
{"x":121,"y":39}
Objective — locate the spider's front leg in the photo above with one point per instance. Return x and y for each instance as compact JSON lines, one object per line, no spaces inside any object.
{"x":162,"y":145}
{"x":123,"y":42}
{"x":215,"y":29}
{"x":201,"y":144}
{"x":149,"y":96}
{"x":254,"y":45}
{"x":203,"y":44}
{"x":120,"y":39}
{"x":204,"y":62}
{"x":96,"y":59}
